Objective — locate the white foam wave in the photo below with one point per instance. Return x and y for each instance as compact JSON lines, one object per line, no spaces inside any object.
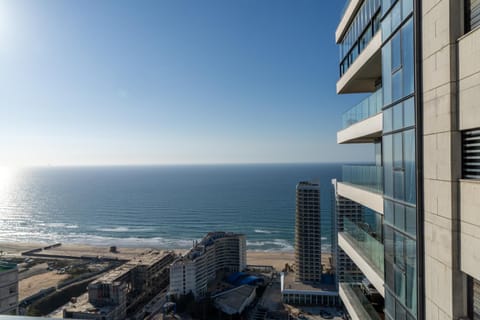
{"x":87,"y":239}
{"x":124,"y":229}
{"x":59,"y":225}
{"x":270,"y":245}
{"x":263,"y":231}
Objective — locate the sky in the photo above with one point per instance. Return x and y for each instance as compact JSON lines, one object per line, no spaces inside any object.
{"x":128,"y":82}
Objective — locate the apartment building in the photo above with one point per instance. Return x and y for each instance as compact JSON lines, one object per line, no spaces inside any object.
{"x":308,"y":243}
{"x":121,"y":291}
{"x":8,"y":288}
{"x":419,"y":62}
{"x":217,"y":251}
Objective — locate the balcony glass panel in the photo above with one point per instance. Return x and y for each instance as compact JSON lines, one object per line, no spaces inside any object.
{"x":361,"y":30}
{"x":368,"y":246}
{"x":365,"y":177}
{"x":359,"y":301}
{"x":364,"y":110}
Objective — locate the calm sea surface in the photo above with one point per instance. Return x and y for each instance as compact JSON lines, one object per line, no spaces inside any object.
{"x":162,"y":206}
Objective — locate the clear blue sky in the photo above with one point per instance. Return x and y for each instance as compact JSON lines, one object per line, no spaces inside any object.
{"x":170,"y":81}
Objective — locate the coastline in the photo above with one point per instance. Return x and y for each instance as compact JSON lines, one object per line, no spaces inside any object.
{"x":274,"y":258}
{"x":43,"y":279}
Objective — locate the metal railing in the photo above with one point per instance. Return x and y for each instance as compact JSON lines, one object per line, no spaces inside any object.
{"x":365,"y":177}
{"x":368,"y":246}
{"x":364,"y":110}
{"x":363,"y":307}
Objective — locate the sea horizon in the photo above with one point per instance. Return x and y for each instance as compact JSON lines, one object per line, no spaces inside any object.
{"x":160,"y":206}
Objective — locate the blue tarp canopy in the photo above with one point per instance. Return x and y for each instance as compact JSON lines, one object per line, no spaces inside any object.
{"x":241,"y":278}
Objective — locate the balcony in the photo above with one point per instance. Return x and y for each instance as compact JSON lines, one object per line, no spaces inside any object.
{"x":358,"y":305}
{"x":365,"y":251}
{"x":365,"y":71}
{"x":364,"y":122}
{"x":348,"y":14}
{"x":366,"y":177}
{"x":364,"y":185}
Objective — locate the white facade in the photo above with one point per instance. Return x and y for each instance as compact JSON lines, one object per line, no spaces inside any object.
{"x":217,"y":251}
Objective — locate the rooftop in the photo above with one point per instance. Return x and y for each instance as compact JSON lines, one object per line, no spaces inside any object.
{"x":148,"y":258}
{"x":199,"y":248}
{"x":234,"y":300}
{"x":83,"y":305}
{"x":289,"y":284}
{"x":7,"y":266}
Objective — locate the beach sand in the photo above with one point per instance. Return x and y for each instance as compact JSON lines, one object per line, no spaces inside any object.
{"x":33,"y":284}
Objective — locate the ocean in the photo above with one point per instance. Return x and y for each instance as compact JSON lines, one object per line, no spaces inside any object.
{"x":159,"y":206}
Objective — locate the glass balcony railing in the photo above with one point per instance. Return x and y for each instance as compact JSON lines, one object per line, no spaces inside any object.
{"x":362,"y":305}
{"x":365,"y":177}
{"x":368,"y":246}
{"x":364,"y":110}
{"x":345,"y":7}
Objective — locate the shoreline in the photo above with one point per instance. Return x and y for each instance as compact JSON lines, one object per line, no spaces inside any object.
{"x":275,"y":258}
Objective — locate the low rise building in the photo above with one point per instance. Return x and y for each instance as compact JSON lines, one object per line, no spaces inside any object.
{"x":8,"y":288}
{"x":122,"y":290}
{"x":217,"y":251}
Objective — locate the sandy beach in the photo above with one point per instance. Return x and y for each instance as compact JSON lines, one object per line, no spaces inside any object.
{"x":33,"y":284}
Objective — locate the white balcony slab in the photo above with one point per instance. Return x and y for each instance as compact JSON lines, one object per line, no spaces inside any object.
{"x":364,"y":197}
{"x":365,"y":131}
{"x":346,"y":19}
{"x":365,"y":71}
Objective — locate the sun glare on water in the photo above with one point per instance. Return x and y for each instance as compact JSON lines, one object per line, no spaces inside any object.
{"x":7,"y":177}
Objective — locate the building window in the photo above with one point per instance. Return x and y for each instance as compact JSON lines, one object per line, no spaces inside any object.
{"x":471,"y":154}
{"x":472,"y":14}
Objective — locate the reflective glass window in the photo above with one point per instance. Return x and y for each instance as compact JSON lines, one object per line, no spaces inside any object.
{"x":396,"y":15}
{"x":409,"y":112}
{"x":410,"y":168}
{"x":398,"y":185}
{"x":389,"y":212}
{"x":397,"y":85}
{"x":400,"y":285}
{"x":408,"y":59}
{"x":398,"y":150}
{"x":411,"y":221}
{"x":388,"y":165}
{"x":398,"y":116}
{"x":400,"y":216}
{"x":407,"y":8}
{"x":388,"y":120}
{"x":396,"y":52}
{"x":389,"y":304}
{"x":387,"y":75}
{"x":411,"y":276}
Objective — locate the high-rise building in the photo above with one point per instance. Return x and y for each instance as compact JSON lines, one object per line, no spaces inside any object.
{"x":8,"y":288}
{"x":346,"y":212}
{"x":217,"y":251}
{"x":308,"y":243}
{"x":419,"y":60}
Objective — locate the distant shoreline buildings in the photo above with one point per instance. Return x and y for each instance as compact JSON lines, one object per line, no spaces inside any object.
{"x":217,"y":251}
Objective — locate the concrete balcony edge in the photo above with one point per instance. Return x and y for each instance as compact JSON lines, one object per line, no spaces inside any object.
{"x":365,"y":131}
{"x":354,"y":313}
{"x":351,"y":81}
{"x":361,"y":196}
{"x":346,"y":19}
{"x":375,"y":279}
